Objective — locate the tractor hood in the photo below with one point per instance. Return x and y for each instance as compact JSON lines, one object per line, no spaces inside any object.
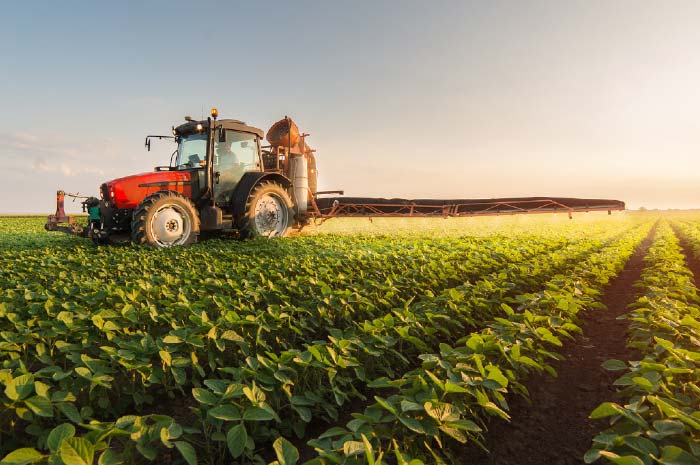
{"x":129,"y":191}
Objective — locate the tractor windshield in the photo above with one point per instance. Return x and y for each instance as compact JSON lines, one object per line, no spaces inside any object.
{"x":192,"y":151}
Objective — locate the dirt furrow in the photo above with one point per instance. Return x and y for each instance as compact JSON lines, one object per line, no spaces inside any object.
{"x":553,"y":426}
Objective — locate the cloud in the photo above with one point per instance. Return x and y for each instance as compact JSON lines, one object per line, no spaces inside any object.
{"x":51,"y":154}
{"x":43,"y":162}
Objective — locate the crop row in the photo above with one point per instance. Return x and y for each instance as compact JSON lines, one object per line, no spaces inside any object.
{"x":348,"y":364}
{"x":73,"y":366}
{"x":447,"y":399}
{"x":658,"y":420}
{"x":269,"y":282}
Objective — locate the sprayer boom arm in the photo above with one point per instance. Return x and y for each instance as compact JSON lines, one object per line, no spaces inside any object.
{"x":330,"y":207}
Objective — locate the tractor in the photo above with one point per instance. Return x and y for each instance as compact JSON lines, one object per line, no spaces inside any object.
{"x":220,"y":179}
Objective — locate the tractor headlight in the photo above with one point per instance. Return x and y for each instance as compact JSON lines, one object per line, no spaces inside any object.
{"x":200,"y":127}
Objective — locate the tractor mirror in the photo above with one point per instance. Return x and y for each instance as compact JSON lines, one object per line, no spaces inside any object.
{"x":148,"y":144}
{"x":222,"y":135}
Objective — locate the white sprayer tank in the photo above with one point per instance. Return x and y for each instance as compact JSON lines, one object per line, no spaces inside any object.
{"x":300,"y":180}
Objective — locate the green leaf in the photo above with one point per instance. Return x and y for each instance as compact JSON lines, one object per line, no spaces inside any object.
{"x":466,"y":425}
{"x":412,"y":424}
{"x":643,"y":445}
{"x":147,"y":451}
{"x":407,"y":406}
{"x":333,"y":432}
{"x":20,"y":387}
{"x":304,"y":413}
{"x":614,"y":365}
{"x":668,"y":427}
{"x":672,"y":455}
{"x":455,"y":294}
{"x":84,"y":372}
{"x":621,"y":460}
{"x":76,"y":451}
{"x":58,"y":434}
{"x":606,"y":409}
{"x":257,"y":414}
{"x":109,"y":457}
{"x":591,"y":455}
{"x":22,"y":456}
{"x":204,"y":396}
{"x":236,"y":439}
{"x":643,"y":383}
{"x":40,"y":406}
{"x":452,"y":387}
{"x":231,"y":335}
{"x":435,"y":379}
{"x":672,"y":411}
{"x":187,"y":452}
{"x":386,"y":405}
{"x":226,"y":412}
{"x":70,"y":412}
{"x":286,"y":453}
{"x":495,"y":374}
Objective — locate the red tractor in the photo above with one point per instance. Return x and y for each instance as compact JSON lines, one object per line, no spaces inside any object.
{"x":220,"y":178}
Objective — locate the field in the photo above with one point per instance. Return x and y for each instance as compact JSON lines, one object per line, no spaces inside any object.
{"x":394,"y":342}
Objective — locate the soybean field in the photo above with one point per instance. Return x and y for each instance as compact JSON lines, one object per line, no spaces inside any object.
{"x":533,"y":339}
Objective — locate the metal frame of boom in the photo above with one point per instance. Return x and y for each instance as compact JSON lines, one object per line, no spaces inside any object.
{"x":403,"y":210}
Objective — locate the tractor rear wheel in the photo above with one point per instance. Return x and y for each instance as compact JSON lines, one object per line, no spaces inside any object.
{"x":269,"y":212}
{"x":165,"y":219}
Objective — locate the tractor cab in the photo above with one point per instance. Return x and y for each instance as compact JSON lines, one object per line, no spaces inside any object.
{"x":217,"y":153}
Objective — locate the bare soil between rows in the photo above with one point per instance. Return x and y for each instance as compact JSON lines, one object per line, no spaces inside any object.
{"x":553,"y":427}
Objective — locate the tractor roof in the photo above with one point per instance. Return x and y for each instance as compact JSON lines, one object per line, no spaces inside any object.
{"x":233,"y":124}
{"x":237,"y":125}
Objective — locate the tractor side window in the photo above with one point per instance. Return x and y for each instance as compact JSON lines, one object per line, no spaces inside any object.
{"x":231,"y":160}
{"x":192,"y":151}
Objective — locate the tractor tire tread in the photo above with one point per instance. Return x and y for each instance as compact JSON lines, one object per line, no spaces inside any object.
{"x":246,"y":228}
{"x":140,"y":215}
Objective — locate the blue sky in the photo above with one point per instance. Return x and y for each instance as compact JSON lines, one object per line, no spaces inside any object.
{"x":414,"y":99}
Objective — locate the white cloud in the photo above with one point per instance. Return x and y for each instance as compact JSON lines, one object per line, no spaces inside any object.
{"x":54,"y":154}
{"x":44,"y":162}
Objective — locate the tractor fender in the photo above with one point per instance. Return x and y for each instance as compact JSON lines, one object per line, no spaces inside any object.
{"x":246,"y":185}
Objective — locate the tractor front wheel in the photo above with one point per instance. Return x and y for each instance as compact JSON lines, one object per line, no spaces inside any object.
{"x":269,"y":212}
{"x":165,"y":219}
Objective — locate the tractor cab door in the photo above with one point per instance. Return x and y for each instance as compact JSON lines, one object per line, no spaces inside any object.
{"x":234,"y":155}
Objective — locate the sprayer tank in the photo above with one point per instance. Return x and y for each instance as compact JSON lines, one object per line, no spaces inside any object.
{"x":300,"y":181}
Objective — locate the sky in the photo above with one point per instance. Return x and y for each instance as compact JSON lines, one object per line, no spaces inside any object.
{"x":437,"y":99}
